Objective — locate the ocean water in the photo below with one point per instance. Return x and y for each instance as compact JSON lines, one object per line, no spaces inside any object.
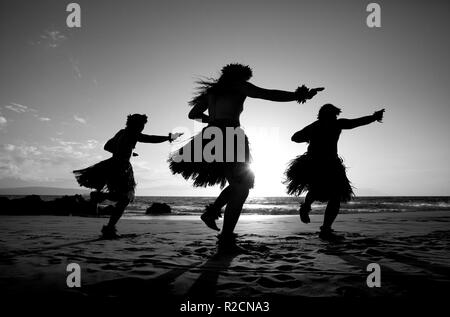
{"x":290,"y":205}
{"x":284,"y":205}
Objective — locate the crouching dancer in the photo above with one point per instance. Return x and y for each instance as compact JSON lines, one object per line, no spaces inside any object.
{"x":113,"y":179}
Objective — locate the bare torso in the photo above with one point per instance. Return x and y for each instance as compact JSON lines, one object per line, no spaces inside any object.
{"x":126,"y":142}
{"x":323,"y":138}
{"x":226,"y":106}
{"x":227,"y":103}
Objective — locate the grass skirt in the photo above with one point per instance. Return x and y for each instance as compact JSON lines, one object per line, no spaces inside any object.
{"x":324,"y":178}
{"x":205,"y":172}
{"x":113,"y":175}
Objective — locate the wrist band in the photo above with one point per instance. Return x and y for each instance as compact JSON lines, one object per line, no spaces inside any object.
{"x":301,"y":94}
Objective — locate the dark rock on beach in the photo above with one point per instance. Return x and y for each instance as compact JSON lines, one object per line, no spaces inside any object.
{"x":158,"y":208}
{"x":35,"y":205}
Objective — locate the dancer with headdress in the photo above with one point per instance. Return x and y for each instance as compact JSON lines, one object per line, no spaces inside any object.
{"x":229,"y":159}
{"x":320,"y":171}
{"x":113,"y":179}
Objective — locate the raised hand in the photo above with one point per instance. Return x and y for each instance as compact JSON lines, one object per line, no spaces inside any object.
{"x":313,"y":91}
{"x":303,"y":93}
{"x":378,"y":115}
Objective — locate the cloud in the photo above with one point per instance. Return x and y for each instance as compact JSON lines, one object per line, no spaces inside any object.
{"x":9,"y":147}
{"x":3,"y":122}
{"x":21,"y":109}
{"x":52,"y":38}
{"x":87,"y":145}
{"x":31,"y":163}
{"x":79,"y":119}
{"x":34,"y":162}
{"x":18,"y":108}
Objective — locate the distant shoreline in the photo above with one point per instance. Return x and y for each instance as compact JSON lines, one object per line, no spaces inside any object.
{"x":251,"y":197}
{"x":80,"y":205}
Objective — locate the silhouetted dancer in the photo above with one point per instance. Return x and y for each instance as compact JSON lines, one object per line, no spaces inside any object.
{"x":224,"y":100}
{"x":320,"y":171}
{"x":113,"y":179}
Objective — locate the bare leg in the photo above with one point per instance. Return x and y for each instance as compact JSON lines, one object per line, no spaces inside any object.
{"x":240,"y":180}
{"x":309,"y":199}
{"x":223,"y":198}
{"x":331,"y":213}
{"x":238,"y":195}
{"x":213,"y":211}
{"x":118,"y":212}
{"x":305,"y":207}
{"x":109,"y":231}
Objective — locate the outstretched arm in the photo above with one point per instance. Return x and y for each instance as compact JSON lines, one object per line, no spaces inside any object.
{"x":354,"y":123}
{"x":253,"y":91}
{"x":300,"y":95}
{"x":145,"y":138}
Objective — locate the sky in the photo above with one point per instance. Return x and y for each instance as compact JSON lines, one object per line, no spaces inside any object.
{"x":65,"y":91}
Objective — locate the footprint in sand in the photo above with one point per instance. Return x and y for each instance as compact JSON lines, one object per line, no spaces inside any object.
{"x":54,"y":261}
{"x":231,"y":285}
{"x":307,"y":257}
{"x":142,"y":261}
{"x":250,"y":279}
{"x":201,"y":250}
{"x":283,"y":277}
{"x":276,"y":256}
{"x":109,"y":267}
{"x":271,"y":282}
{"x":133,"y":249}
{"x":146,"y":256}
{"x":284,"y":267}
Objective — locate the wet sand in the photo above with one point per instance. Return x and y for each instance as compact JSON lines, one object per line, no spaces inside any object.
{"x":175,"y":257}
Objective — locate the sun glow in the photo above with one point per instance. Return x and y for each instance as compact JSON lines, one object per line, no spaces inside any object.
{"x":268,"y":165}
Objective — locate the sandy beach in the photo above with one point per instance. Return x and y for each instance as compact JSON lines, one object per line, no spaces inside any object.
{"x":174,"y":257}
